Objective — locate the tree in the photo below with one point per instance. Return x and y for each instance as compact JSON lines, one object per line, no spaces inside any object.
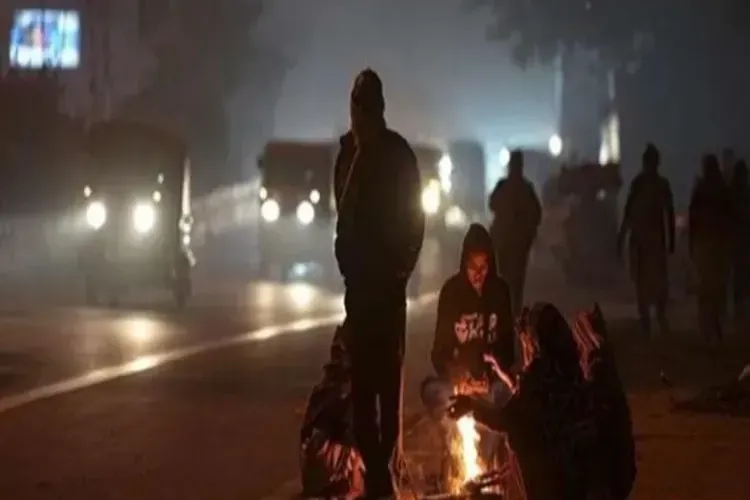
{"x":663,"y":55}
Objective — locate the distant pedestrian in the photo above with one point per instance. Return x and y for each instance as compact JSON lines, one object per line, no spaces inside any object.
{"x":517,"y":214}
{"x":648,"y":224}
{"x":710,"y":228}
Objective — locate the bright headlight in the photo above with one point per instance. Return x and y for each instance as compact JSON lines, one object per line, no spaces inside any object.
{"x":455,"y":217}
{"x":305,"y":213}
{"x":431,"y":198}
{"x":270,"y":210}
{"x":96,"y":214}
{"x":144,"y":217}
{"x":315,"y":196}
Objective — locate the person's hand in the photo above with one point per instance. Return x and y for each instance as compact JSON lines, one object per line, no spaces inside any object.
{"x":460,"y":406}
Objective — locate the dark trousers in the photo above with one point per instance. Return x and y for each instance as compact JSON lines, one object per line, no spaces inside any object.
{"x":376,"y":314}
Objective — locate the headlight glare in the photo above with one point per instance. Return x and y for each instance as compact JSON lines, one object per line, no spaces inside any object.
{"x":144,"y":217}
{"x":96,"y":214}
{"x":431,"y":198}
{"x":270,"y":210}
{"x":305,"y":213}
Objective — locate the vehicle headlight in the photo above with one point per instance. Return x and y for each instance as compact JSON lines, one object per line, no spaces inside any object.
{"x":96,"y":214}
{"x":431,"y":198}
{"x":315,"y":196}
{"x":455,"y":217}
{"x":305,"y":213}
{"x":144,"y":217}
{"x":270,"y":210}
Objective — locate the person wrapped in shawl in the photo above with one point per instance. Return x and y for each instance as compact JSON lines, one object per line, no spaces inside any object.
{"x":610,"y":402}
{"x":331,"y":466}
{"x":549,"y":419}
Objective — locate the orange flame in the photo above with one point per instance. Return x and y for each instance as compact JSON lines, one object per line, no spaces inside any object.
{"x":465,"y":448}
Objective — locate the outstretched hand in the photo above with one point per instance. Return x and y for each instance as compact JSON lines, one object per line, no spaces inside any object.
{"x":461,"y":405}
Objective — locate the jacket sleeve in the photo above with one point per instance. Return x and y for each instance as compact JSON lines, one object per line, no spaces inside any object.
{"x":410,"y":223}
{"x":504,"y":346}
{"x":445,"y":337}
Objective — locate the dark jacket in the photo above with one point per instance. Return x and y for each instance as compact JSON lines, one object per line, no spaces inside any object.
{"x":649,"y":213}
{"x":517,"y":214}
{"x":380,"y":224}
{"x":469,"y":325}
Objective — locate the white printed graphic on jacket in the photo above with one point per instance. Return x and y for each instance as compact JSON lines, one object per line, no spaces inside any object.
{"x":471,"y":327}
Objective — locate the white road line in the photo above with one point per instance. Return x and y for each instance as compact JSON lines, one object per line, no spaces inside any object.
{"x":152,"y":361}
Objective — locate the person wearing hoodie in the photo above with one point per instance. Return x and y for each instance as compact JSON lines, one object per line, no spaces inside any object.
{"x":474,"y":316}
{"x":379,"y":234}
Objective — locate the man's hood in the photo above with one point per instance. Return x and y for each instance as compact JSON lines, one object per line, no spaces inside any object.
{"x":478,"y":239}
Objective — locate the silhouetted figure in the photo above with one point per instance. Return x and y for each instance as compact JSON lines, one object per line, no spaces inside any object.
{"x":551,"y":420}
{"x":517,"y":214}
{"x":740,"y":189}
{"x":378,"y":240}
{"x":649,"y":225}
{"x":710,"y":228}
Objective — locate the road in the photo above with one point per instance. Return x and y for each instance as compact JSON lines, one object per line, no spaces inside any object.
{"x":102,"y":404}
{"x":221,"y":421}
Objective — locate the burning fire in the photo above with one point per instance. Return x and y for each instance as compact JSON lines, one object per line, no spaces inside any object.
{"x":465,"y":448}
{"x":468,"y":447}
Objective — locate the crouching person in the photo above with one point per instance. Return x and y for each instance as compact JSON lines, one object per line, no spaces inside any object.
{"x":474,"y":318}
{"x":610,"y":403}
{"x":331,"y":466}
{"x":563,"y":432}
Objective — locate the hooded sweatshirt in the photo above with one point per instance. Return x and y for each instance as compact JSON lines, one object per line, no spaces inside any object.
{"x":469,"y":324}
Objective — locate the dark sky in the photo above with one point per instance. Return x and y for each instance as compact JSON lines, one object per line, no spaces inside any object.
{"x":442,"y":78}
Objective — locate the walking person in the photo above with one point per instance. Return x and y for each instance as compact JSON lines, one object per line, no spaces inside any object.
{"x":710,"y":225}
{"x":517,"y":214}
{"x":648,"y":224}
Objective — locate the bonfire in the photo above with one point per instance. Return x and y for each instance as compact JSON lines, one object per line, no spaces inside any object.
{"x":465,"y":446}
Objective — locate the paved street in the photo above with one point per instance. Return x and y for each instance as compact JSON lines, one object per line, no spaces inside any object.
{"x":122,"y":404}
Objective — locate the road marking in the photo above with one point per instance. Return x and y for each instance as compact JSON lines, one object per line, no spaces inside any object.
{"x":149,"y":362}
